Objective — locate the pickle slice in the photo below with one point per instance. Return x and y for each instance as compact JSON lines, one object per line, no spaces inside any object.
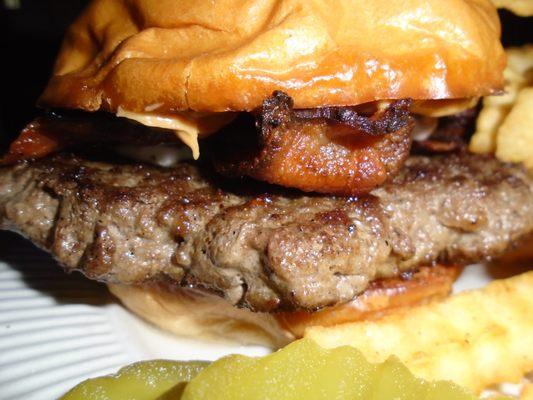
{"x":148,"y":380}
{"x":303,"y":370}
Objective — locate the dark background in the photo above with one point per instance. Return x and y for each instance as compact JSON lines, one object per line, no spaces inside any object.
{"x":31,"y":36}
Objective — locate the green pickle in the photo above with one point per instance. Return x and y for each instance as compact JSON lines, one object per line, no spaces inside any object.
{"x":302,"y":370}
{"x":148,"y":380}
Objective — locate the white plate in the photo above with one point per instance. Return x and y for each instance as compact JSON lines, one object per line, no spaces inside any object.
{"x":57,"y":329}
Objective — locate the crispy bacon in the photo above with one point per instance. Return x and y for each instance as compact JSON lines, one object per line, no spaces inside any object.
{"x":35,"y":141}
{"x":451,"y":134}
{"x":335,"y":150}
{"x":52,"y":132}
{"x":382,"y":122}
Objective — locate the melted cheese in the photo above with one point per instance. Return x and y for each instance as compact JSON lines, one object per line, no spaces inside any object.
{"x":187,"y":126}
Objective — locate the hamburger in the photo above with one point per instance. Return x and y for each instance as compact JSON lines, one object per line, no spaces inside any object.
{"x":315,"y":164}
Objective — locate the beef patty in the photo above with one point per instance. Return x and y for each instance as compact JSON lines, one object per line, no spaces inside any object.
{"x":136,"y":223}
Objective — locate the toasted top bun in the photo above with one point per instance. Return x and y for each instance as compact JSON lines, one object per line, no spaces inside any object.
{"x":228,"y":55}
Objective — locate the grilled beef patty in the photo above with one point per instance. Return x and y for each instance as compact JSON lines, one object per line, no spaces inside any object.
{"x":136,"y":223}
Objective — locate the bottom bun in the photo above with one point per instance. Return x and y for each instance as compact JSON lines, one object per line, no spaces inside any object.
{"x":192,"y":313}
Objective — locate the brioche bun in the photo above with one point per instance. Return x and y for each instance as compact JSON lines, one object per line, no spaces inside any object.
{"x":192,"y":313}
{"x":166,"y":56}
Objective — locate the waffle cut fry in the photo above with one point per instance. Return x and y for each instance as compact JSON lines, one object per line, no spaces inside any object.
{"x":475,"y":339}
{"x":505,"y":123}
{"x":527,"y":392}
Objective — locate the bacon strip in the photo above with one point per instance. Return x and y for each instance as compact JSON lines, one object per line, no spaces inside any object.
{"x":332,"y":150}
{"x":381,"y":122}
{"x":52,"y":132}
{"x":451,"y":134}
{"x":33,"y":142}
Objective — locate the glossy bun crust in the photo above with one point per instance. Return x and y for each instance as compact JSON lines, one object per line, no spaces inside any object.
{"x":171,"y":55}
